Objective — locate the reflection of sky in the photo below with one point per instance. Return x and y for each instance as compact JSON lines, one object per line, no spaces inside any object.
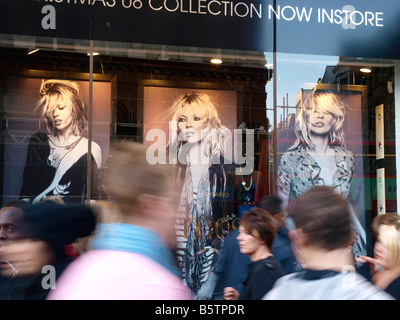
{"x":294,"y":72}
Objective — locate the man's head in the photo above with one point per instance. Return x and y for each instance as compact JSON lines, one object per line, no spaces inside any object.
{"x":273,"y":204}
{"x":323,"y":218}
{"x":10,"y":229}
{"x":10,"y":223}
{"x":144,"y":192}
{"x":43,"y":232}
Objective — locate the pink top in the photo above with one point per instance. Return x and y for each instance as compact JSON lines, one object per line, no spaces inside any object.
{"x":118,"y":275}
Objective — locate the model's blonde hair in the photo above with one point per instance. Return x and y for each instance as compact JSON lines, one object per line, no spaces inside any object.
{"x":389,"y":236}
{"x":215,"y":134}
{"x":390,"y":218}
{"x":332,"y":105}
{"x":51,"y":91}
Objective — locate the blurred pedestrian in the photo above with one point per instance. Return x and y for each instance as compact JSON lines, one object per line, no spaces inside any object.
{"x":132,"y":259}
{"x":38,"y":253}
{"x":70,"y":249}
{"x":10,"y":225}
{"x":282,"y":246}
{"x":53,"y":198}
{"x":322,"y":242}
{"x":15,"y":203}
{"x":105,"y":212}
{"x":257,"y":233}
{"x":10,"y":220}
{"x":385,"y":271}
{"x":233,"y":269}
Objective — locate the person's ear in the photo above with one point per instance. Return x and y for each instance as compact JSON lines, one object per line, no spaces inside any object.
{"x":298,"y":239}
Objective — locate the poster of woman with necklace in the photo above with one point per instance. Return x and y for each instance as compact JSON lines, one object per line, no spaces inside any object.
{"x":201,"y":141}
{"x":56,"y":162}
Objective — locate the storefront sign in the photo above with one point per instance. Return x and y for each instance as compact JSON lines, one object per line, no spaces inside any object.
{"x":343,"y":27}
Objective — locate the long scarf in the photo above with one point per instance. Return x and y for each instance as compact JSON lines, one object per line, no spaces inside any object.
{"x":134,"y":239}
{"x":196,"y":212}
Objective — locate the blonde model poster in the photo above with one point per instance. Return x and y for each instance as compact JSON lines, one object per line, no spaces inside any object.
{"x":320,"y":156}
{"x":199,"y":125}
{"x":55,"y":146}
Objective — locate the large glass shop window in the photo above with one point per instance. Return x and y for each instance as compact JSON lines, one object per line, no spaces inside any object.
{"x":212,"y":120}
{"x":336,"y":127}
{"x":258,"y":124}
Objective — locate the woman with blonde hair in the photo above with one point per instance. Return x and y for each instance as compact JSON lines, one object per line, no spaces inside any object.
{"x":319,"y":156}
{"x":56,"y":161}
{"x":199,"y":141}
{"x":386,"y":262}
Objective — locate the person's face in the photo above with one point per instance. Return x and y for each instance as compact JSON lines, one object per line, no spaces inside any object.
{"x":9,"y":224}
{"x":190,"y":123}
{"x":27,"y":256}
{"x":249,"y":243}
{"x":160,"y":214}
{"x":318,"y":120}
{"x":382,"y":254}
{"x":62,"y":114}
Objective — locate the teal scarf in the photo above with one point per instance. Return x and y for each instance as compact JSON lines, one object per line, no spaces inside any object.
{"x":134,"y":239}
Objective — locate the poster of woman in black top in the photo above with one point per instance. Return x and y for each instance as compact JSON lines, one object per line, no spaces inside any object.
{"x":56,"y":158}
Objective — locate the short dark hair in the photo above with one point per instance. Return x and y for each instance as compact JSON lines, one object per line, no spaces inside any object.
{"x":260,"y":220}
{"x":324,"y":217}
{"x":272,"y":204}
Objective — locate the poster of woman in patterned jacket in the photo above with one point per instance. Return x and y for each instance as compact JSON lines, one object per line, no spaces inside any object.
{"x":319,"y":154}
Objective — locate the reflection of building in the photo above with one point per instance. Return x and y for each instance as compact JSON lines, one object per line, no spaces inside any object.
{"x":380,"y":89}
{"x":286,"y":120}
{"x":286,"y":126}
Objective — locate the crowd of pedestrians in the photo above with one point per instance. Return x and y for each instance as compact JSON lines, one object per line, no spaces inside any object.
{"x":125,"y":249}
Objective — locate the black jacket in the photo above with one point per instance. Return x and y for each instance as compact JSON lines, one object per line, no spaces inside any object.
{"x":262,"y":277}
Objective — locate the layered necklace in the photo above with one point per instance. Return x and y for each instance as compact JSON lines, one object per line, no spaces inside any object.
{"x":57,"y":153}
